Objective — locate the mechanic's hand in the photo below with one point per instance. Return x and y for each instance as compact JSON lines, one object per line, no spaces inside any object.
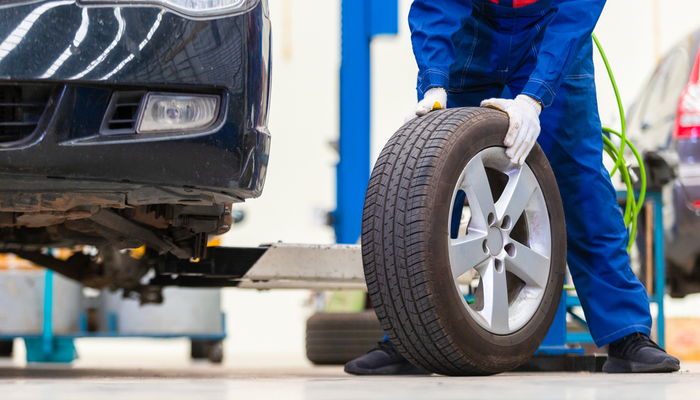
{"x":524,"y":128}
{"x":434,"y":99}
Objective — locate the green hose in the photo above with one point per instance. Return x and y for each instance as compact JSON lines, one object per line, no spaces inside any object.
{"x":632,"y":208}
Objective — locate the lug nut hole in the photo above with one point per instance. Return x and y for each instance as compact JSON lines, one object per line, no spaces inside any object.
{"x":491,"y":219}
{"x":484,"y":247}
{"x":506,"y":223}
{"x":498,"y":264}
{"x":510,"y":249}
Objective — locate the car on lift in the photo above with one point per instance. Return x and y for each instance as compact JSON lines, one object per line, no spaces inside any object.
{"x":664,"y":124}
{"x":127,"y":124}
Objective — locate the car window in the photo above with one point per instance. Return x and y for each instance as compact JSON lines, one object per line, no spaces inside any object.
{"x":677,"y":78}
{"x":667,"y":86}
{"x":638,"y":116}
{"x":649,"y":107}
{"x":657,"y":109}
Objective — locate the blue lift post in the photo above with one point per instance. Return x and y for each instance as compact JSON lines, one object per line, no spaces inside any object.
{"x":47,"y":347}
{"x":361,"y":21}
{"x":659,"y":267}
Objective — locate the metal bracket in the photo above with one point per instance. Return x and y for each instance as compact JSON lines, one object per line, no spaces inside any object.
{"x":120,"y":224}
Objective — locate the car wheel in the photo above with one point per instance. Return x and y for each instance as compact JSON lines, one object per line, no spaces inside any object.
{"x":216,"y":352}
{"x":464,"y":254}
{"x":336,"y":338}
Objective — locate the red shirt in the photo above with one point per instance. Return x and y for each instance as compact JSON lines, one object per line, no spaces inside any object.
{"x":518,"y":3}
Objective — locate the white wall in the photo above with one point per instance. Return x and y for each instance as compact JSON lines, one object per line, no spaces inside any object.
{"x":304,"y":118}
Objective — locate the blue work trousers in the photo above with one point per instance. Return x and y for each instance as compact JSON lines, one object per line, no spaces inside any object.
{"x":497,"y":49}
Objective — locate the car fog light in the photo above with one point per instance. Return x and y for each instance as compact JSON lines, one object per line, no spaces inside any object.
{"x":171,"y":112}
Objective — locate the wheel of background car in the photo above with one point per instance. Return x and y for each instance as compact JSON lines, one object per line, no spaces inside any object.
{"x":207,"y":349}
{"x":464,"y":253}
{"x":216,"y":352}
{"x":335,"y":339}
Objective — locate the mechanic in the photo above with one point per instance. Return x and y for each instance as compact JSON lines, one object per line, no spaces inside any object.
{"x":468,"y":52}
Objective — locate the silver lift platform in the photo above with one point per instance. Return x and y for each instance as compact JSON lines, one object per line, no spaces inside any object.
{"x":274,"y":266}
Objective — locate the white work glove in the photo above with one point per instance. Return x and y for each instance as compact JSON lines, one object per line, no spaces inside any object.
{"x":434,"y":99}
{"x":524,"y":128}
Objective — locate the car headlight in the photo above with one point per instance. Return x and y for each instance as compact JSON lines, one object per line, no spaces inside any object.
{"x":192,"y":8}
{"x":173,"y":112}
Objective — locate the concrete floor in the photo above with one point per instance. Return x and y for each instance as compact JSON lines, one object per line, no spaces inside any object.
{"x":303,"y":381}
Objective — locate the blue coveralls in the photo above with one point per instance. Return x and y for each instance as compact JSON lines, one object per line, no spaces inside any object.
{"x":474,"y":49}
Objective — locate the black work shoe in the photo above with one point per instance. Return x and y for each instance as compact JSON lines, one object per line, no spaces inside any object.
{"x":638,"y":353}
{"x":383,"y":360}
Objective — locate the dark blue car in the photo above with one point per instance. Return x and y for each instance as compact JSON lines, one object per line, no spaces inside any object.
{"x":126,"y":124}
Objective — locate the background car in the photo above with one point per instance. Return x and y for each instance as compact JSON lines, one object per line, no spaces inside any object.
{"x":664,"y":124}
{"x":128,"y":124}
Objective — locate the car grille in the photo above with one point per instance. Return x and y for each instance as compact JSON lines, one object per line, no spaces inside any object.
{"x":21,"y":107}
{"x":122,"y":113}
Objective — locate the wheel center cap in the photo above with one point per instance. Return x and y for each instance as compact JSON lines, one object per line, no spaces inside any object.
{"x":495,"y":241}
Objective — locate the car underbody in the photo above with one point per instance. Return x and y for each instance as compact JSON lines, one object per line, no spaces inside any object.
{"x":106,"y":221}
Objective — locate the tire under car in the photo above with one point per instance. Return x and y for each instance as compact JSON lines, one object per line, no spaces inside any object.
{"x":336,"y":338}
{"x":207,"y":349}
{"x":410,"y":220}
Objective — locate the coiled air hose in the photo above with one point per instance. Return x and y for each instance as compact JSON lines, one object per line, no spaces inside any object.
{"x":633,"y":206}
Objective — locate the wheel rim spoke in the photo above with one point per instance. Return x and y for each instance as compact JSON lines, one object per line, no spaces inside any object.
{"x":528,"y":265}
{"x":467,"y":253}
{"x":476,"y":186}
{"x":493,"y":243}
{"x":517,"y":193}
{"x":495,"y":290}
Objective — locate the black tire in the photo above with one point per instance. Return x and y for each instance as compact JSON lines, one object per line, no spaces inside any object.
{"x":216,"y":352}
{"x":405,"y":249}
{"x":199,"y":349}
{"x":207,"y":349}
{"x":6,"y":348}
{"x":335,"y":339}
